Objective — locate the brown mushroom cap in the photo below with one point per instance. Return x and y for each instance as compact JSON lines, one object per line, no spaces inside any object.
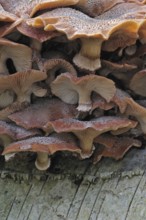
{"x":73,"y":90}
{"x":114,"y":147}
{"x":44,"y":146}
{"x":86,"y":131}
{"x":6,"y":16}
{"x":20,"y":54}
{"x":39,"y":113}
{"x":23,"y":84}
{"x":91,"y":31}
{"x":95,"y":8}
{"x":16,"y":132}
{"x":35,"y":33}
{"x":30,"y":7}
{"x":138,"y":83}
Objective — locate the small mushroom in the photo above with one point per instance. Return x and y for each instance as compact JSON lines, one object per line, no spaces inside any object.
{"x":19,"y":54}
{"x":138,"y":111}
{"x":10,"y":132}
{"x":23,"y":84}
{"x":44,"y":147}
{"x":138,"y":82}
{"x":38,"y":34}
{"x":86,"y":131}
{"x":72,"y":89}
{"x":51,"y":66}
{"x":112,"y":146}
{"x":46,"y":110}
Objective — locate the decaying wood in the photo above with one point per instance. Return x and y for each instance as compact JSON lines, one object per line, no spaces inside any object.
{"x":75,"y":190}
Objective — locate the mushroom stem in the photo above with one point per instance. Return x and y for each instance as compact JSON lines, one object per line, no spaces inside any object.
{"x":43,"y":161}
{"x":89,"y":55}
{"x":86,"y":142}
{"x":85,"y":103}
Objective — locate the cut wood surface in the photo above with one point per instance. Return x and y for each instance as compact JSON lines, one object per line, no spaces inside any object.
{"x":75,"y":190}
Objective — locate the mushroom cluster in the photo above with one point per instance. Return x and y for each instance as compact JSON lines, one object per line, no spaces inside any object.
{"x":72,"y":78}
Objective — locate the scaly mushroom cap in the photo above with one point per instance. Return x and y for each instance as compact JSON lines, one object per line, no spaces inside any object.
{"x":30,"y":7}
{"x":114,"y":147}
{"x":23,"y":84}
{"x":86,"y":131}
{"x":44,"y":146}
{"x":16,"y":132}
{"x":20,"y":54}
{"x":6,"y":16}
{"x":73,"y":90}
{"x":138,"y":83}
{"x":35,"y":33}
{"x":91,"y":31}
{"x":40,"y":113}
{"x":95,"y":8}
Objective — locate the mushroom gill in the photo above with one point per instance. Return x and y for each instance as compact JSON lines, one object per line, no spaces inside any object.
{"x":72,"y":89}
{"x":23,"y":84}
{"x":86,"y":131}
{"x":44,"y":147}
{"x":19,"y":54}
{"x":92,"y":31}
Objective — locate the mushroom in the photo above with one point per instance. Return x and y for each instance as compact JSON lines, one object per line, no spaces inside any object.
{"x":25,"y":8}
{"x":86,"y":131}
{"x":38,"y":34}
{"x":6,"y":16}
{"x":19,"y":54}
{"x":95,"y":8}
{"x":138,"y":82}
{"x":138,"y":111}
{"x":44,"y":146}
{"x":10,"y":132}
{"x":23,"y":84}
{"x":72,"y":89}
{"x":51,"y":67}
{"x":112,"y":146}
{"x":99,"y":103}
{"x":46,"y":110}
{"x":92,"y":32}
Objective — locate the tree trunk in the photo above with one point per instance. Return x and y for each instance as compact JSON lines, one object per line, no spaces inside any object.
{"x":75,"y":190}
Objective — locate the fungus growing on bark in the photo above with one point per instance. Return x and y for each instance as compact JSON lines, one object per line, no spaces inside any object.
{"x":44,"y":147}
{"x":138,"y":111}
{"x":86,"y":131}
{"x":91,"y":32}
{"x":138,"y":83}
{"x":19,"y":54}
{"x":51,"y":66}
{"x":10,"y":132}
{"x":72,"y":89}
{"x":25,"y":8}
{"x":38,"y":34}
{"x":112,"y":146}
{"x":23,"y":84}
{"x":95,"y":8}
{"x":45,"y":110}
